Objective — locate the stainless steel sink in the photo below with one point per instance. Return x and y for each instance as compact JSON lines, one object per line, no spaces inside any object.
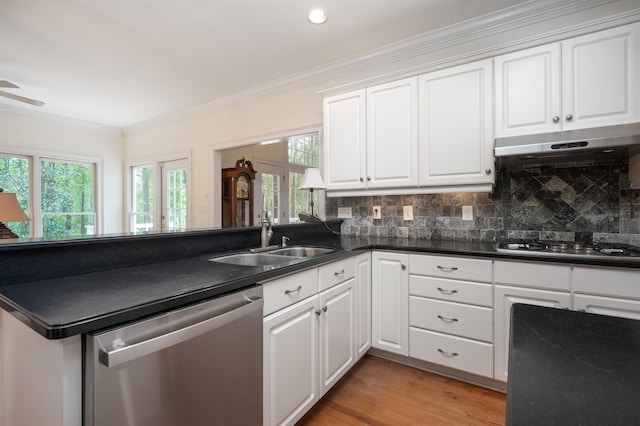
{"x":255,"y":259}
{"x":301,"y":251}
{"x":273,"y":258}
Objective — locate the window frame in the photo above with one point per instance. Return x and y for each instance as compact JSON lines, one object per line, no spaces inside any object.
{"x":35,"y":193}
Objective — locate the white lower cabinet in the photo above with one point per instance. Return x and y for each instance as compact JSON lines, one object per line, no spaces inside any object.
{"x":308,"y":344}
{"x":515,"y":282}
{"x":450,"y":316}
{"x":390,"y":302}
{"x":363,"y":303}
{"x":607,"y":291}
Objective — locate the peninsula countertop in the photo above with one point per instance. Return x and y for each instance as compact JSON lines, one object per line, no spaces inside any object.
{"x":112,"y":290}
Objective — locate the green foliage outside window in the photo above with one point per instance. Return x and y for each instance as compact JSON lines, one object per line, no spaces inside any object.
{"x":14,"y":177}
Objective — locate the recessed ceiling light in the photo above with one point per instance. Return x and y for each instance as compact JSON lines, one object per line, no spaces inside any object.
{"x":317,"y":16}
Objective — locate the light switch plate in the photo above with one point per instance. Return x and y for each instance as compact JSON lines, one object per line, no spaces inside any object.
{"x":407,"y":212}
{"x":377,"y":212}
{"x":467,"y":212}
{"x":344,"y":213}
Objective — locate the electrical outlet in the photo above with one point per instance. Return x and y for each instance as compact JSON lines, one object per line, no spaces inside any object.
{"x":377,"y":212}
{"x":467,"y":213}
{"x":344,"y":213}
{"x":407,"y":212}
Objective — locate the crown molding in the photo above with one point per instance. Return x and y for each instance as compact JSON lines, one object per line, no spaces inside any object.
{"x":529,"y":13}
{"x":59,"y":119}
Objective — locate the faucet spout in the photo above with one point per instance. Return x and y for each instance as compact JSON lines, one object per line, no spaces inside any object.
{"x":267,"y":232}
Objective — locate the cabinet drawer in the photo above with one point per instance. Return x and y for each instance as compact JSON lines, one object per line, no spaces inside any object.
{"x":607,"y":282}
{"x":455,"y":352}
{"x":469,"y":321}
{"x":541,"y":275}
{"x":451,"y":290}
{"x":336,"y":272}
{"x":614,"y":307}
{"x":283,"y":292}
{"x":450,"y":267}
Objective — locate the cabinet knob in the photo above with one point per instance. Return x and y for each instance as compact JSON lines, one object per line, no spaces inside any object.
{"x":324,"y":309}
{"x":403,"y":266}
{"x":318,"y":312}
{"x":487,"y":171}
{"x":361,"y":179}
{"x":555,"y":118}
{"x":569,"y":117}
{"x":368,"y":177}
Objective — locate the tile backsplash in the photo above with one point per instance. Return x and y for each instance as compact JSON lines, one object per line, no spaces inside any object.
{"x":555,"y":202}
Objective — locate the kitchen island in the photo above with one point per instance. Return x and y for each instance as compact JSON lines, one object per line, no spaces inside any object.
{"x":572,"y":368}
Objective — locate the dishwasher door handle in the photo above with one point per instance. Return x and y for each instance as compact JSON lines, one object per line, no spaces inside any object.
{"x":126,"y":353}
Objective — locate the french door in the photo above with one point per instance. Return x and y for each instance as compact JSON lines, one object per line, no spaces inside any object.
{"x":173,"y":195}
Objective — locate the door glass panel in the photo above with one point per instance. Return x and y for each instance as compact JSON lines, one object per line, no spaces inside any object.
{"x":271,"y":189}
{"x":176,"y":214}
{"x":142,"y":212}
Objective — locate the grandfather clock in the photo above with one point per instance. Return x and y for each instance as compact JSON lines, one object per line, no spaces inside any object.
{"x":237,"y":195}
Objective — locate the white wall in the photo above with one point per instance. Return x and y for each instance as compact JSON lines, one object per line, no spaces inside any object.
{"x":217,"y":127}
{"x":32,"y":134}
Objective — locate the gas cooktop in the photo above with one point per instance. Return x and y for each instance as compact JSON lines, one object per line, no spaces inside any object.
{"x":570,"y":249}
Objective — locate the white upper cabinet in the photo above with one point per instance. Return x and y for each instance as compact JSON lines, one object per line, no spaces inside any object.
{"x":371,"y":137}
{"x":601,"y":78}
{"x":345,"y":141}
{"x":392,"y":134}
{"x":583,"y":82}
{"x":456,"y":125}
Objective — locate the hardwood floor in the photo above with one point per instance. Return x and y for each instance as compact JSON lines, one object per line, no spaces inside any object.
{"x":380,"y":392}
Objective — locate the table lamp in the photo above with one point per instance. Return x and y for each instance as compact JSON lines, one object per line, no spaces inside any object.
{"x":10,"y":211}
{"x":312,"y":180}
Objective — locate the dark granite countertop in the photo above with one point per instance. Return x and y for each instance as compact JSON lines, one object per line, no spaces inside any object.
{"x":572,"y":368}
{"x":103,"y":285}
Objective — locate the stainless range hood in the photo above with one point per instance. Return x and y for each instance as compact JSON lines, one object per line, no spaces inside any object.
{"x":572,"y":145}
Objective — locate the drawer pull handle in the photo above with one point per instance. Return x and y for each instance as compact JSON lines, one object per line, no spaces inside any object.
{"x":447,"y":268}
{"x":449,"y":354}
{"x":445,"y":319}
{"x":443,"y":291}
{"x":339,"y":273}
{"x":293,"y":291}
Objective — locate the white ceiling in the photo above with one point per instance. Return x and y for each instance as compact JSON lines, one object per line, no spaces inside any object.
{"x":122,"y":62}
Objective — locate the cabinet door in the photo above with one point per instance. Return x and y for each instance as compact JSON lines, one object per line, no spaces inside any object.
{"x":527,"y":87}
{"x":337,"y":333}
{"x":363,"y":303}
{"x":345,"y":141}
{"x":456,"y":125}
{"x":611,"y":306}
{"x":290,"y":386}
{"x":390,"y":302}
{"x":392,"y":134}
{"x":600,"y":78}
{"x":504,"y":297}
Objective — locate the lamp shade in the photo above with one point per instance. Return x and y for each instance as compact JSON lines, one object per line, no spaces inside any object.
{"x":312,"y":179}
{"x":10,"y":210}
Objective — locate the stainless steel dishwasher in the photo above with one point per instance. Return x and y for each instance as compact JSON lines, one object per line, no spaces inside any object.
{"x":200,"y":365}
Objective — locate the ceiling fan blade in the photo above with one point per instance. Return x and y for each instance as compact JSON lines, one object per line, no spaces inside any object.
{"x":21,"y":98}
{"x":5,"y":83}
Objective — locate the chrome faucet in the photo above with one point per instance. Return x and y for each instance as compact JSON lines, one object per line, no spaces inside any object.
{"x":284,"y":240}
{"x":267,"y":232}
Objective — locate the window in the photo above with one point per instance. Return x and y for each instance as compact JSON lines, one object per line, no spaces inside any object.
{"x":303,"y":151}
{"x":279,"y":178}
{"x":14,"y":177}
{"x":67,"y":200}
{"x":66,"y":207}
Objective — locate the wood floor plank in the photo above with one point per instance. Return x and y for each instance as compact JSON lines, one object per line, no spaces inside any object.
{"x":379,"y":392}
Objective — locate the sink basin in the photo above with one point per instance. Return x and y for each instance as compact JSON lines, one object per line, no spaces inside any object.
{"x":301,"y":251}
{"x":255,"y":259}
